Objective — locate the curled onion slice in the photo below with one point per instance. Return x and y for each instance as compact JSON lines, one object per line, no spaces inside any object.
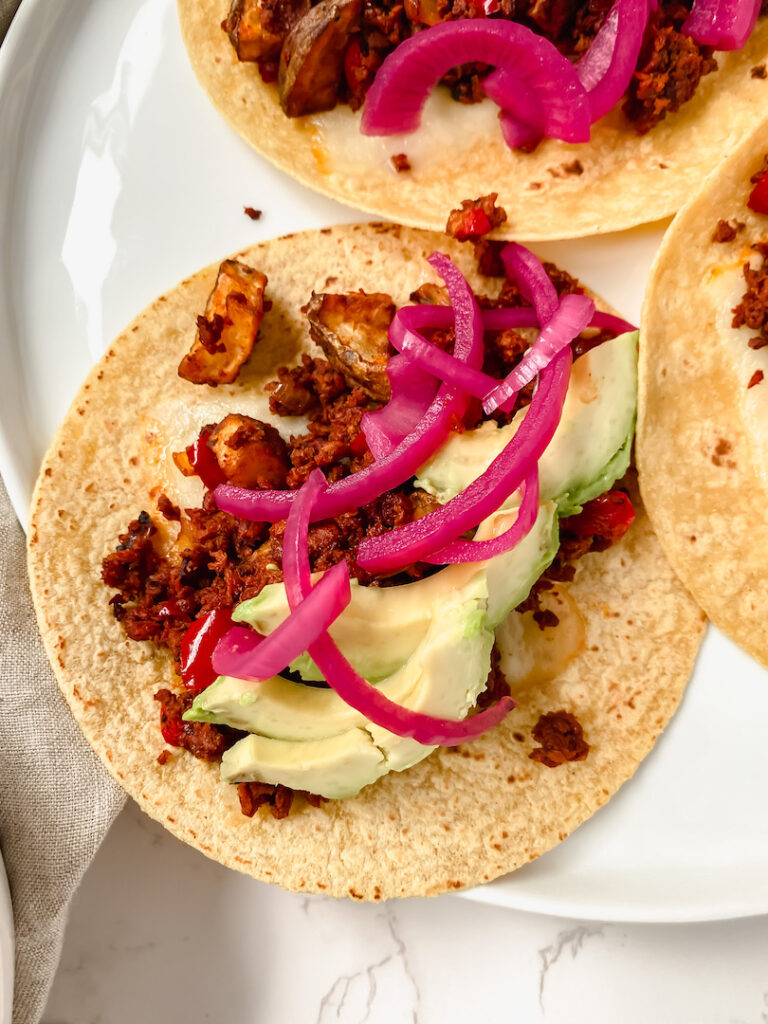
{"x":412,"y":392}
{"x":402,"y":84}
{"x":573,"y":314}
{"x":422,"y":537}
{"x":533,"y":102}
{"x":477,"y":550}
{"x":350,"y":686}
{"x":246,"y":654}
{"x":606,"y":68}
{"x":432,"y":361}
{"x":724,"y":24}
{"x":405,"y":336}
{"x":532,"y":279}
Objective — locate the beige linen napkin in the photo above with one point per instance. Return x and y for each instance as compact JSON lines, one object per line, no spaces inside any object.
{"x":56,"y":800}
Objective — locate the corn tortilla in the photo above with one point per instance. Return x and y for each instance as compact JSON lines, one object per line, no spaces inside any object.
{"x":463,"y":816}
{"x":702,"y":439}
{"x":624,"y":179}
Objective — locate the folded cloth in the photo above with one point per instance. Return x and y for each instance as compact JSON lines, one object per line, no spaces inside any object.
{"x":56,"y":800}
{"x":7,"y":11}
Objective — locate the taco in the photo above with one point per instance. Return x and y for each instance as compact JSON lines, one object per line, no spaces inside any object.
{"x":704,"y":400}
{"x":283,"y":779}
{"x":297,"y":80}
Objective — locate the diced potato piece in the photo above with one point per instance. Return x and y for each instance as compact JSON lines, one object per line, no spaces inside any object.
{"x":258,"y":28}
{"x":352,"y":332}
{"x":312,"y":59}
{"x":249,"y":452}
{"x":227,"y":332}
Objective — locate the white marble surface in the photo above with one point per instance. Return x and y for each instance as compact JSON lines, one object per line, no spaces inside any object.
{"x":158,"y":933}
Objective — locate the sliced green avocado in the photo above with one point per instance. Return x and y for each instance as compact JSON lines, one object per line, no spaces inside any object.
{"x":382,"y":626}
{"x":282,"y":709}
{"x":447,"y":672}
{"x":336,"y":767}
{"x":453,"y":675}
{"x":591,"y":442}
{"x":378,"y":631}
{"x":286,"y":710}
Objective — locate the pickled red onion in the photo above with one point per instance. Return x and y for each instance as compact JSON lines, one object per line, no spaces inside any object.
{"x":422,"y":357}
{"x":573,"y":314}
{"x":606,"y":68}
{"x":527,"y":270}
{"x":246,"y":654}
{"x":350,"y":686}
{"x":402,"y":84}
{"x":536,"y":103}
{"x":724,"y":24}
{"x":477,"y":550}
{"x":405,"y":337}
{"x":411,"y":393}
{"x":420,"y":538}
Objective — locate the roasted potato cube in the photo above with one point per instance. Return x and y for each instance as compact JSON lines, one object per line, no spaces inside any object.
{"x":249,"y":453}
{"x":258,"y":28}
{"x":312,"y":58}
{"x":226,"y":332}
{"x":352,"y":332}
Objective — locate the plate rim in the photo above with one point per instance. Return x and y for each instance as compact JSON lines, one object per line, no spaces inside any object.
{"x":22,"y":24}
{"x":16,"y":42}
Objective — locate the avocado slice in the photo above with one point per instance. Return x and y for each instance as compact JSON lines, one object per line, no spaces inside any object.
{"x":446,"y":674}
{"x":282,"y":709}
{"x":382,"y":627}
{"x":591,"y":443}
{"x":336,"y":767}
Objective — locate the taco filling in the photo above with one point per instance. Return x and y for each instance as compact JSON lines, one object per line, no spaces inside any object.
{"x":551,"y":68}
{"x":365,"y":567}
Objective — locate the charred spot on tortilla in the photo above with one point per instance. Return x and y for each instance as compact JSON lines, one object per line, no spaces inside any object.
{"x":400,"y":162}
{"x":720,"y":456}
{"x":758,"y":71}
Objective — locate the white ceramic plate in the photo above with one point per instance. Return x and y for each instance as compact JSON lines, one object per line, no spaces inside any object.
{"x":117,"y":179}
{"x":6,"y":949}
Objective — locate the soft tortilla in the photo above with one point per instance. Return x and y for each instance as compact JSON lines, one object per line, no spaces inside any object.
{"x":626,"y":179}
{"x":461,"y":817}
{"x":702,"y":438}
